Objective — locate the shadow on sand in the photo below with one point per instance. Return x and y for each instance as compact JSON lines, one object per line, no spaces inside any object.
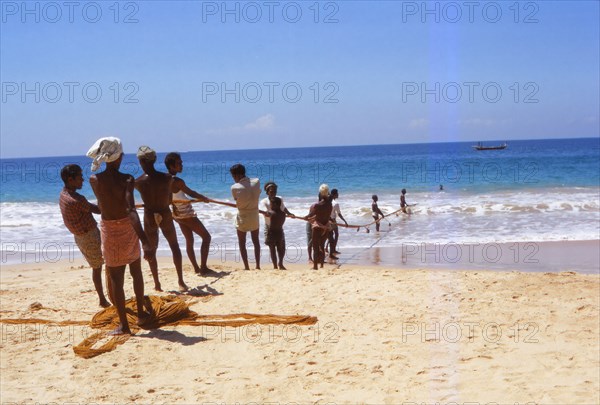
{"x":173,"y":336}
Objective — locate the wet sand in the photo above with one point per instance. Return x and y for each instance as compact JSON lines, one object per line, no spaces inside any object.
{"x":579,"y":256}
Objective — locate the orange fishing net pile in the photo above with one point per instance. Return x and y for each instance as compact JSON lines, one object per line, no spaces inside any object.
{"x":167,"y":310}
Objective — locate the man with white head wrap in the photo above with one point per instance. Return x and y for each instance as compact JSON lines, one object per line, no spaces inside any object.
{"x":120,"y":228}
{"x":155,"y":189}
{"x":106,"y":150}
{"x":146,"y":153}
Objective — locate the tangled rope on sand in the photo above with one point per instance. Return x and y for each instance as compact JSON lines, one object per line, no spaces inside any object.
{"x":166,"y":311}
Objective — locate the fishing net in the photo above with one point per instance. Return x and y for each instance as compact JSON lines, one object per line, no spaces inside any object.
{"x":166,"y":311}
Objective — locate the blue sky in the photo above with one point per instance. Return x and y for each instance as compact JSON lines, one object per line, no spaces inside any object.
{"x":369,"y":72}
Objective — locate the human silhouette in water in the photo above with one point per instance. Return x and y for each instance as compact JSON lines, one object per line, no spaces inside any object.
{"x":376,"y":212}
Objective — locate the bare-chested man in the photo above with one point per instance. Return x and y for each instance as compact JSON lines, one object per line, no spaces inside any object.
{"x":319,"y":216}
{"x":185,"y":216}
{"x":155,"y":189}
{"x":120,"y":227}
{"x":403,"y":203}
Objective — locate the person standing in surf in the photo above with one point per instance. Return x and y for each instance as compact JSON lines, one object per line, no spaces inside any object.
{"x":403,"y":203}
{"x":376,"y":212}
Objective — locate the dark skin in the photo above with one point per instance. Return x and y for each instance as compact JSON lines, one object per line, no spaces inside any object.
{"x":320,"y":213}
{"x":403,"y":203}
{"x":114,"y":191}
{"x":376,"y":212}
{"x":309,"y":247}
{"x":335,"y":234}
{"x":277,"y":220}
{"x":189,"y":226}
{"x":74,"y":184}
{"x":155,"y":189}
{"x":272,"y":193}
{"x":242,"y":238}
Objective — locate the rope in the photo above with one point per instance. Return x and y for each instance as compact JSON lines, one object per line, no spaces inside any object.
{"x":228,"y":204}
{"x":232,"y":205}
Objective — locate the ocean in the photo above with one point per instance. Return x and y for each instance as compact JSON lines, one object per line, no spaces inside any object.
{"x":533,"y":191}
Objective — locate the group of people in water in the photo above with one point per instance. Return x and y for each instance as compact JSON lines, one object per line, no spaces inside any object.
{"x":117,"y":242}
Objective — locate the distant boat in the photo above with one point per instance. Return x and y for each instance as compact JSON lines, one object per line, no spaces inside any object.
{"x":479,"y":146}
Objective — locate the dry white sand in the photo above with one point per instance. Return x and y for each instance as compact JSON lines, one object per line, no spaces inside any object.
{"x":383,"y":336}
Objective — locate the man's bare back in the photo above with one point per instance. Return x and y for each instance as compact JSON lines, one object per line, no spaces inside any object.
{"x":321,"y":211}
{"x":120,"y":227}
{"x":155,"y":189}
{"x":111,"y":189}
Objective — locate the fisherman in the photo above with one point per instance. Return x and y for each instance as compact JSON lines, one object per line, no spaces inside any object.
{"x":335,"y":233}
{"x":155,"y":189}
{"x":184,"y":215}
{"x":319,"y":216}
{"x":376,"y":212}
{"x":245,"y":192}
{"x":403,"y":203}
{"x":77,"y":216}
{"x":120,"y":228}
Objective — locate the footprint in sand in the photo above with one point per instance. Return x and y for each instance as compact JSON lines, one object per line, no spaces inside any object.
{"x":347,"y":371}
{"x":377,"y":370}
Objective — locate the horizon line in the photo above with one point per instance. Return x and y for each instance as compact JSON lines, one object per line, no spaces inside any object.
{"x":309,"y":147}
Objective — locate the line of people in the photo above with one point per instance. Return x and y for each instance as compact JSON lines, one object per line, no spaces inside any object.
{"x":117,"y":242}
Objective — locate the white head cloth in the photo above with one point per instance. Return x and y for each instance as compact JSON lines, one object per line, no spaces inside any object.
{"x":324,"y":190}
{"x":105,"y":150}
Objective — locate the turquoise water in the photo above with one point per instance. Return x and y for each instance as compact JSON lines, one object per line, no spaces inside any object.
{"x":536,"y":190}
{"x":524,"y":165}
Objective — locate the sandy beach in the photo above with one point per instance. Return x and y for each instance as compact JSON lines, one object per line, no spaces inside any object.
{"x":383,"y":335}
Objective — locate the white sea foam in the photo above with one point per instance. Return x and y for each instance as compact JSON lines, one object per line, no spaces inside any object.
{"x":34,"y":231}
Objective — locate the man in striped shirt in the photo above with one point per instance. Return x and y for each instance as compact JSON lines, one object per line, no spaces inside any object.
{"x":77,"y":215}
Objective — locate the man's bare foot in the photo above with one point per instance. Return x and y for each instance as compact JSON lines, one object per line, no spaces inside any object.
{"x":275,"y":267}
{"x":144,"y":318}
{"x":208,"y":273}
{"x":104,"y":303}
{"x":183,"y":287}
{"x":120,"y":331}
{"x":257,"y":268}
{"x":157,"y":287}
{"x":281,"y":267}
